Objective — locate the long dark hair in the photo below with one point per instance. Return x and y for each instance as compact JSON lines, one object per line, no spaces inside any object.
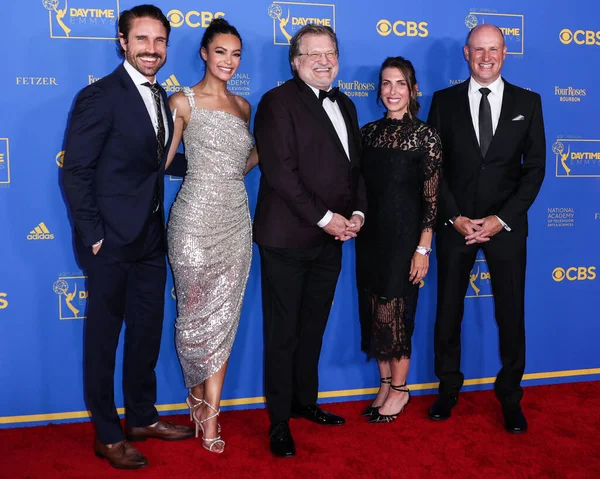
{"x":217,"y":27}
{"x":408,"y":71}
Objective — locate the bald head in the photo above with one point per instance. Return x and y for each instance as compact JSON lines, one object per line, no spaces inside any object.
{"x":485,"y":51}
{"x":485,"y":27}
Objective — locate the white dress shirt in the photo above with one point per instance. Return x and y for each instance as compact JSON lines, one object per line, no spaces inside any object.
{"x":332,"y":108}
{"x":495,"y":99}
{"x":146,"y":95}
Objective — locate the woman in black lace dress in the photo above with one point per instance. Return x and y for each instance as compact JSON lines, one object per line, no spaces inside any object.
{"x":401,"y":165}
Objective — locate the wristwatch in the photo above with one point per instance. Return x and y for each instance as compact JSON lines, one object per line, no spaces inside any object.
{"x":453,"y":219}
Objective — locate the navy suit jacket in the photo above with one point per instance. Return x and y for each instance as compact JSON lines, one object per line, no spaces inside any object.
{"x":111,"y":170}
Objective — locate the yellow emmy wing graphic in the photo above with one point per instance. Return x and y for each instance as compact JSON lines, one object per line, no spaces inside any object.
{"x":480,"y":282}
{"x":577,"y":158}
{"x":289,"y":17}
{"x":4,"y":162}
{"x":512,"y":25}
{"x":72,"y":297}
{"x":82,"y":19}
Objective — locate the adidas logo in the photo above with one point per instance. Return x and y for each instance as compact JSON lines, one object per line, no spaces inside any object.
{"x":40,"y":232}
{"x":171,"y":84}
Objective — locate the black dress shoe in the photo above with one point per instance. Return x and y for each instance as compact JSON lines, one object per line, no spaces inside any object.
{"x":282,"y":442}
{"x":514,"y":421}
{"x":441,"y":409}
{"x":316,"y":414}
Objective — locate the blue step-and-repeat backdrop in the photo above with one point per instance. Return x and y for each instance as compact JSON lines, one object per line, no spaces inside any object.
{"x":50,"y":49}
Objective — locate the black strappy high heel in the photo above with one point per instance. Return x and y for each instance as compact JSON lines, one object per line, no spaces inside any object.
{"x":377,"y":417}
{"x":371,"y":410}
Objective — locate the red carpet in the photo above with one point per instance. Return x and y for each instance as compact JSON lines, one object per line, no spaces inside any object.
{"x":562,"y":441}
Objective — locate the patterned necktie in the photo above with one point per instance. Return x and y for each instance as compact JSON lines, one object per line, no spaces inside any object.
{"x":486,"y":131}
{"x":331,"y":94}
{"x":160,"y":134}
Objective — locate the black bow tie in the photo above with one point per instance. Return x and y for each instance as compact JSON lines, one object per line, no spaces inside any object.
{"x":331,"y":94}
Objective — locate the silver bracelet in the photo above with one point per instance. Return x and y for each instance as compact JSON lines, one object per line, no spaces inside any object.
{"x":424,"y":250}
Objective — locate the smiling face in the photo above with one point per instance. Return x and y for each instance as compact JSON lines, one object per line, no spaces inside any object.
{"x":319,"y":73}
{"x":485,"y":53}
{"x":146,"y":46}
{"x":395,"y":92}
{"x":222,"y":56}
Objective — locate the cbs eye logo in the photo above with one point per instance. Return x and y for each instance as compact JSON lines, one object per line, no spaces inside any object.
{"x":575,"y":273}
{"x":193,"y":18}
{"x":580,"y":37}
{"x":402,"y":28}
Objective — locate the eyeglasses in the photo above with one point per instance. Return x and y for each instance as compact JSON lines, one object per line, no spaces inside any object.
{"x":315,"y":57}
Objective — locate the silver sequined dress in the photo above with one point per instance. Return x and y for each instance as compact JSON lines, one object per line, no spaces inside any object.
{"x":210,"y":240}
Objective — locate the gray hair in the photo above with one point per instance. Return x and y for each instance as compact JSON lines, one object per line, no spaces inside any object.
{"x":309,"y":30}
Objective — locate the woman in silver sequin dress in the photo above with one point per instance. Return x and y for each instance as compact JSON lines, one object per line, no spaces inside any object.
{"x":209,"y":230}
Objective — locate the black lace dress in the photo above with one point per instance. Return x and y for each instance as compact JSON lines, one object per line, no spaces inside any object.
{"x":401,"y":165}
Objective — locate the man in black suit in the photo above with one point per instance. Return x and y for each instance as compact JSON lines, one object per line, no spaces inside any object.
{"x":494,"y":163}
{"x":311,"y":199}
{"x":117,"y":139}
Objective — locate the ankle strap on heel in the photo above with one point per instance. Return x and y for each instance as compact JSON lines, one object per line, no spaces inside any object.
{"x":387,"y":380}
{"x":400,"y":388}
{"x":198,"y":402}
{"x":217,"y":412}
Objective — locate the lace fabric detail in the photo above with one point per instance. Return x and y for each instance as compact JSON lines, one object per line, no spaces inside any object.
{"x":391,"y":328}
{"x":411,"y":134}
{"x":401,"y":166}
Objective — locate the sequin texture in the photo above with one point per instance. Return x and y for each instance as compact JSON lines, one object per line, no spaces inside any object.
{"x":210,"y":240}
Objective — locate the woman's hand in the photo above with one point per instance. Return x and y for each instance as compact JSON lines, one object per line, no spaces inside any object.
{"x":419,"y":265}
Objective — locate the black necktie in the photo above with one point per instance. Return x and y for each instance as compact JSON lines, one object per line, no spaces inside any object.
{"x":160,"y":134}
{"x":331,"y":94}
{"x":486,"y":131}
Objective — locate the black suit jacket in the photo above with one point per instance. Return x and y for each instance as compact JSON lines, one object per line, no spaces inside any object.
{"x":305,"y":170}
{"x":111,"y":170}
{"x":504,"y":183}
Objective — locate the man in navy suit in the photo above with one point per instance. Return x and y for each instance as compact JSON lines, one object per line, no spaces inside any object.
{"x":117,"y":139}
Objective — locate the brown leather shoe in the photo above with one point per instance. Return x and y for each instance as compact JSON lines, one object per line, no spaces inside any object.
{"x":165,"y":430}
{"x":121,"y":455}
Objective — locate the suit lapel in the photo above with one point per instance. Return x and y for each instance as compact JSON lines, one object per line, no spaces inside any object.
{"x":465,"y":114}
{"x":169,"y":121}
{"x":353,"y":133}
{"x":316,"y":108}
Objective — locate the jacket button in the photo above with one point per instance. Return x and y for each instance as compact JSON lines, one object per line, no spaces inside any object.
{"x":483,"y":167}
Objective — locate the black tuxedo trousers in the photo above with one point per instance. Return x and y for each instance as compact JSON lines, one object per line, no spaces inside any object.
{"x":298,"y":285}
{"x":505,"y":254}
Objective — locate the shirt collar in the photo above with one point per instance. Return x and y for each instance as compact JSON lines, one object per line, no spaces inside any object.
{"x":316,"y":90}
{"x":135,"y":75}
{"x":497,"y":87}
